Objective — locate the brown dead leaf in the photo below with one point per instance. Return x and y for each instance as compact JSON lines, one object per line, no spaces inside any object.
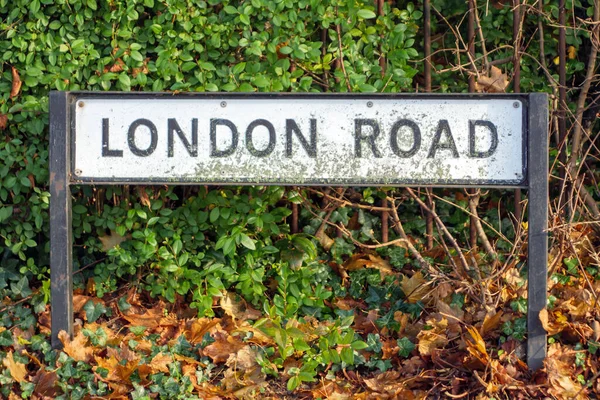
{"x":16,"y":83}
{"x":117,"y":66}
{"x":45,"y":383}
{"x":476,"y":346}
{"x":387,"y":385}
{"x":562,"y":386}
{"x":245,"y":358}
{"x":112,"y":240}
{"x":119,"y":374}
{"x":151,"y":318}
{"x":455,"y":314}
{"x":331,"y":391}
{"x":236,"y":309}
{"x":3,"y":121}
{"x":434,"y":338}
{"x":77,"y":348}
{"x":360,"y":261}
{"x":414,"y":288}
{"x":496,"y":82}
{"x":198,"y":328}
{"x":596,"y":328}
{"x":17,"y":369}
{"x":144,"y":199}
{"x":325,"y":241}
{"x":258,"y":336}
{"x":402,"y":319}
{"x":222,"y":347}
{"x":160,"y":363}
{"x":379,"y":382}
{"x":490,"y":322}
{"x":555,"y":324}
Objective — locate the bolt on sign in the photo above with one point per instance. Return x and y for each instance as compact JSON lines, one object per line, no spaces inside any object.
{"x":299,"y":139}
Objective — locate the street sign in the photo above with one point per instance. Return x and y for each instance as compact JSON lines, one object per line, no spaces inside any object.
{"x":299,"y":139}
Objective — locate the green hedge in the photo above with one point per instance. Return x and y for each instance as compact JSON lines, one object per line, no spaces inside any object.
{"x":149,"y":45}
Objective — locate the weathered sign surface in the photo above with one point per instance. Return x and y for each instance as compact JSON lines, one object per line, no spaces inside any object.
{"x":301,"y":140}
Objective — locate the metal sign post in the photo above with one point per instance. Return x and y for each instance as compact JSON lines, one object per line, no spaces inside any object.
{"x":299,"y":139}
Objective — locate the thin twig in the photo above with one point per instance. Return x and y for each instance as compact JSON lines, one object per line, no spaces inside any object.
{"x":339,"y":35}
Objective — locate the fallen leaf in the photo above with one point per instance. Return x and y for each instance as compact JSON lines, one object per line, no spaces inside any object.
{"x":76,"y":348}
{"x":198,"y":328}
{"x":152,"y":318}
{"x":45,"y":384}
{"x":359,"y":261}
{"x":161,"y":362}
{"x":433,"y":338}
{"x":414,"y":288}
{"x":16,"y":83}
{"x":490,"y":322}
{"x":476,"y":346}
{"x":596,"y":328}
{"x":236,"y":309}
{"x":562,"y":386}
{"x":118,"y":372}
{"x":555,"y":325}
{"x":496,"y":82}
{"x":222,"y":347}
{"x":144,"y":199}
{"x":325,"y":241}
{"x":112,"y":240}
{"x":245,"y":358}
{"x":3,"y":121}
{"x":17,"y":370}
{"x":454,"y":313}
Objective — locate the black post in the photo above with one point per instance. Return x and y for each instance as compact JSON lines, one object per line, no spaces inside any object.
{"x":61,"y":256}
{"x":537,"y":258}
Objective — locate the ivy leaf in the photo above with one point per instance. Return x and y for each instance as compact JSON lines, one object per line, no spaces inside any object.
{"x":405,"y":347}
{"x":93,"y":311}
{"x":21,"y":287}
{"x":366,"y":14}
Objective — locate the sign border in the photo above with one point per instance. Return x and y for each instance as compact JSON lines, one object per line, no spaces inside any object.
{"x":523,"y":98}
{"x":61,"y":143}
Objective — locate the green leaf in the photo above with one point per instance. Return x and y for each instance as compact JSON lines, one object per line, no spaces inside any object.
{"x":405,"y":347}
{"x":261,"y":82}
{"x":293,"y":383}
{"x":78,"y":45}
{"x":214,"y":215}
{"x":366,"y":88}
{"x":239,"y":68}
{"x":247,"y":242}
{"x":366,"y":14}
{"x":93,"y":311}
{"x":359,"y":345}
{"x":21,"y":287}
{"x":286,"y":50}
{"x":125,"y":81}
{"x":137,"y":56}
{"x":245,"y":19}
{"x":177,"y":245}
{"x":80,"y":209}
{"x":347,"y":355}
{"x":230,"y":10}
